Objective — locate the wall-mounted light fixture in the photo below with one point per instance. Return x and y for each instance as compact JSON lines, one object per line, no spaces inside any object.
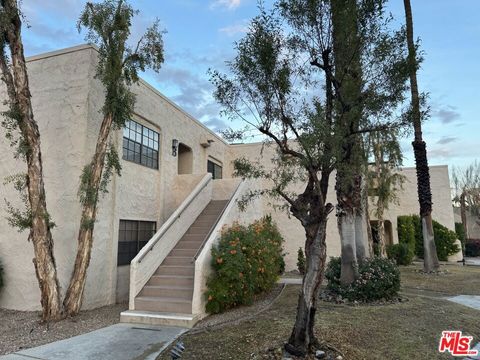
{"x":174,"y":147}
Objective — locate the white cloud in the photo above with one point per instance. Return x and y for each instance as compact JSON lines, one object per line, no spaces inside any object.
{"x":228,"y":4}
{"x":232,"y":30}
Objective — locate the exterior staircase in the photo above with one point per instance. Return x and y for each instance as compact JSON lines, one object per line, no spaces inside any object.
{"x":167,"y":297}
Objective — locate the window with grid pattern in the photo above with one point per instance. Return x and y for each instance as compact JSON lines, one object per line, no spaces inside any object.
{"x":133,"y":235}
{"x":140,"y":144}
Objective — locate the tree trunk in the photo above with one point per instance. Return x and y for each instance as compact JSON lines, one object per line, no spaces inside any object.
{"x":303,"y":336}
{"x":419,"y":147}
{"x":361,"y":231}
{"x":346,"y":227}
{"x":74,"y":297}
{"x":40,"y":234}
{"x":370,"y":236}
{"x":347,"y":56}
{"x":369,"y":225}
{"x":382,"y":246}
{"x":463,"y":215}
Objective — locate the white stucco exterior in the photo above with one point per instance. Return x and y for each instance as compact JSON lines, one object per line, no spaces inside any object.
{"x":67,"y":102}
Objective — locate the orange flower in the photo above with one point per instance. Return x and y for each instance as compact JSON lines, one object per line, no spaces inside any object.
{"x":240,"y":275}
{"x":233,"y":252}
{"x":210,"y":297}
{"x":219,"y":260}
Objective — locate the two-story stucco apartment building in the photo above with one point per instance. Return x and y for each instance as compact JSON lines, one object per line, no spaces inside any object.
{"x":158,"y":221}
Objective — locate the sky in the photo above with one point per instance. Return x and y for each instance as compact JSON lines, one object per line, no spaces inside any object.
{"x":201,"y":34}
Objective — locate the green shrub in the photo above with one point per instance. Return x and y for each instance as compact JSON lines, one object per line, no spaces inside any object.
{"x":444,"y":238}
{"x":378,"y":279}
{"x":445,"y":241}
{"x":472,"y":248}
{"x":401,"y":253}
{"x":301,"y":261}
{"x":417,"y":223}
{"x":246,"y":261}
{"x":406,"y":232}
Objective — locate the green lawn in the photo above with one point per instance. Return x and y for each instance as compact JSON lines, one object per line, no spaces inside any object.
{"x":406,"y":330}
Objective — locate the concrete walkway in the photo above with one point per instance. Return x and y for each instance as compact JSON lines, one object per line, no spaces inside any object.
{"x":290,"y":281}
{"x":472,"y":261}
{"x":116,"y":342}
{"x":476,"y":347}
{"x":472,"y":301}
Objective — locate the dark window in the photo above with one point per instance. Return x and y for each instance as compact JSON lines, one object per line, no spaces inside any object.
{"x":132,"y":236}
{"x":140,"y":144}
{"x":214,"y":169}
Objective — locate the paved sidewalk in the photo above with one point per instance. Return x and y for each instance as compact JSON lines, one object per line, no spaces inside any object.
{"x":116,"y":342}
{"x":472,"y":261}
{"x":472,"y":301}
{"x":477,"y":347}
{"x":290,"y":281}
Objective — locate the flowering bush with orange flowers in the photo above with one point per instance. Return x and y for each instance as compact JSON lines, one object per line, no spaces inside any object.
{"x":247,"y":261}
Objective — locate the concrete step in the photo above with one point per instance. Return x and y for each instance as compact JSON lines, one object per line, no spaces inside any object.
{"x":171,"y":280}
{"x":198,"y":230}
{"x":178,"y":260}
{"x":163,"y":304}
{"x":192,"y":245}
{"x":212,"y":212}
{"x":183,"y":252}
{"x":170,"y":291}
{"x":211,"y":218}
{"x":204,"y":223}
{"x":193,"y":237}
{"x":158,"y":318}
{"x":175,"y":270}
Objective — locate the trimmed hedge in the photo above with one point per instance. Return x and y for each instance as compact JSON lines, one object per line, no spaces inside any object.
{"x":247,"y":261}
{"x":400,"y":253}
{"x":406,"y":232}
{"x":378,"y":279}
{"x":444,"y":238}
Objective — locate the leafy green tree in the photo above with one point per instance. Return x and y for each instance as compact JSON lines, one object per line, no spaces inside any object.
{"x":430,"y":262}
{"x":284,"y":84}
{"x":22,"y":131}
{"x":108,"y":26}
{"x":370,"y":75}
{"x":262,"y":90}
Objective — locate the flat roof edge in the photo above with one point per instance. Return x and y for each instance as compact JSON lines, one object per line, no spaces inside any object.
{"x":143,"y":82}
{"x":54,"y":53}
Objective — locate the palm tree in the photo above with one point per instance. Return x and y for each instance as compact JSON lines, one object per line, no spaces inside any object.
{"x":420,"y":150}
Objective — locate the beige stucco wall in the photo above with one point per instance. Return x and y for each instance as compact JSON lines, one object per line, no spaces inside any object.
{"x":408,"y":200}
{"x":67,"y":102}
{"x":59,"y":86}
